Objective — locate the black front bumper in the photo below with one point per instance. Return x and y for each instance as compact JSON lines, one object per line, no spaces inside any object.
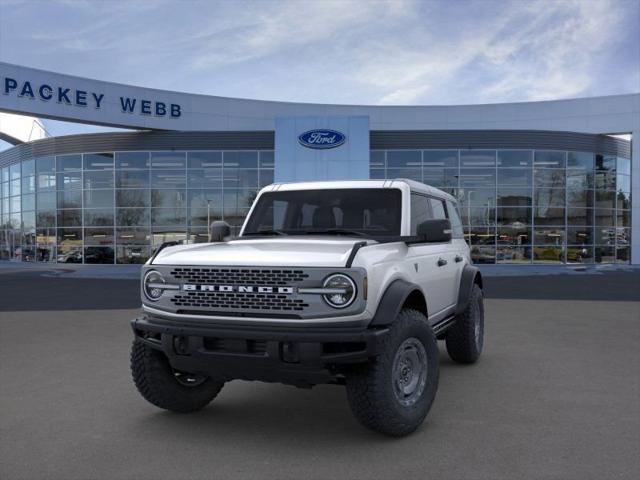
{"x":298,"y":356}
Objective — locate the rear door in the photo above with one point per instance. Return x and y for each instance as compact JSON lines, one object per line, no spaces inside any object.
{"x":459,"y":243}
{"x":425,"y":262}
{"x":448,"y":262}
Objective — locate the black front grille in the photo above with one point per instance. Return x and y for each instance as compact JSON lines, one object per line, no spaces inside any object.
{"x":238,"y":301}
{"x":237,"y":276}
{"x":240,"y":346}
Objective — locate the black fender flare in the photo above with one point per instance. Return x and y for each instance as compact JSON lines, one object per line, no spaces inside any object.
{"x":467,"y":279}
{"x":392,"y":301}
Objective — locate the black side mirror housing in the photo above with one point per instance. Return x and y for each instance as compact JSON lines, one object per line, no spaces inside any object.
{"x":434,"y":231}
{"x":219,"y":230}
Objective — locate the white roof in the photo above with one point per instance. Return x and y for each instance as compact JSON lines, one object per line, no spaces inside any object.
{"x":338,"y":184}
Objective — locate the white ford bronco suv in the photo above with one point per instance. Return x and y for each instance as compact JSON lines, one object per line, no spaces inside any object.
{"x":343,"y":282}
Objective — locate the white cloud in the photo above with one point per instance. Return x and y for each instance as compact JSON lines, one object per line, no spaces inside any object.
{"x":386,"y":52}
{"x":288,"y":25}
{"x":404,"y":95}
{"x":553,"y":55}
{"x":531,"y":51}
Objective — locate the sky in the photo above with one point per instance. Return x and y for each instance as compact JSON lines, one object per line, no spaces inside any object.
{"x":395,"y":52}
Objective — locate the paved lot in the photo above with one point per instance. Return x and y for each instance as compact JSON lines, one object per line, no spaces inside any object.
{"x":554,"y":396}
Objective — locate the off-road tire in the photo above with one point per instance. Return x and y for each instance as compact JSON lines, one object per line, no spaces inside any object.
{"x":370,"y":387}
{"x":155,"y":380}
{"x":462,"y":344}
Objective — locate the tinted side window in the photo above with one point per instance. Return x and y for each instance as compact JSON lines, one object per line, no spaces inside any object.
{"x":420,"y":211}
{"x":437,"y":207}
{"x":306,"y":213}
{"x":456,"y":224}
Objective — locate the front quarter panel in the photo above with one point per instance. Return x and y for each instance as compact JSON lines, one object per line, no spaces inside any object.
{"x":385,"y":263}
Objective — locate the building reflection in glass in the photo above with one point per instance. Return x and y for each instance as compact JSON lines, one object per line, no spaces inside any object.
{"x":517,"y":206}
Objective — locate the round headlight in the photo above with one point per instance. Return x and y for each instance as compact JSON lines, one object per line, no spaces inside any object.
{"x":344,"y":291}
{"x":150,"y":285}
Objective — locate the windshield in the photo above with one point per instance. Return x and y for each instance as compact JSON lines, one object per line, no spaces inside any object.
{"x":367,"y":212}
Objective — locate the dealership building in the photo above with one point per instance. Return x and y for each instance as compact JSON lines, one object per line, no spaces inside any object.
{"x":538,"y":182}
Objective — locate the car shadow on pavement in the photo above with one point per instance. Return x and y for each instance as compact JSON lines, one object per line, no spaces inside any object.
{"x":287,"y":416}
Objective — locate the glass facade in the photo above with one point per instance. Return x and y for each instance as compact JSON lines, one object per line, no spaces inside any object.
{"x":528,"y":206}
{"x":116,"y":207}
{"x":517,"y":206}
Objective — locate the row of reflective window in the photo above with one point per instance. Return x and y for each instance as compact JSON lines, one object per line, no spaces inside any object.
{"x":125,"y":253}
{"x":486,"y":168}
{"x":139,"y":161}
{"x":520,"y":206}
{"x":497,"y":158}
{"x":127,"y":179}
{"x":517,"y":201}
{"x":142,"y":198}
{"x":45,"y":202}
{"x":546,"y":244}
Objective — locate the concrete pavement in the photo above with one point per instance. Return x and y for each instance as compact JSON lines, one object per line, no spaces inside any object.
{"x":555,"y":395}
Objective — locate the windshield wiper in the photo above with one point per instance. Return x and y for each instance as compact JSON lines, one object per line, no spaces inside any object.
{"x":337,"y":231}
{"x":265,"y":232}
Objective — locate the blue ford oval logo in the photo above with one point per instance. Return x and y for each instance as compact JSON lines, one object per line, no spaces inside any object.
{"x":322,"y":138}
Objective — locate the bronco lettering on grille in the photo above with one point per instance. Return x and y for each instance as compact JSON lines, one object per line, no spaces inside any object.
{"x":237,"y":288}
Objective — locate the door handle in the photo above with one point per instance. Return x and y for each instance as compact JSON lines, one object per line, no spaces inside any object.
{"x":442,"y":262}
{"x":458,"y":259}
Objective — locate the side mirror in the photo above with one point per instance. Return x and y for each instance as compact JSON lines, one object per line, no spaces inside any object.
{"x":434,"y":231}
{"x":219,"y":231}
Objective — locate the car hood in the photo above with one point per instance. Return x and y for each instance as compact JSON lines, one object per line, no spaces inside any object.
{"x":311,"y":251}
